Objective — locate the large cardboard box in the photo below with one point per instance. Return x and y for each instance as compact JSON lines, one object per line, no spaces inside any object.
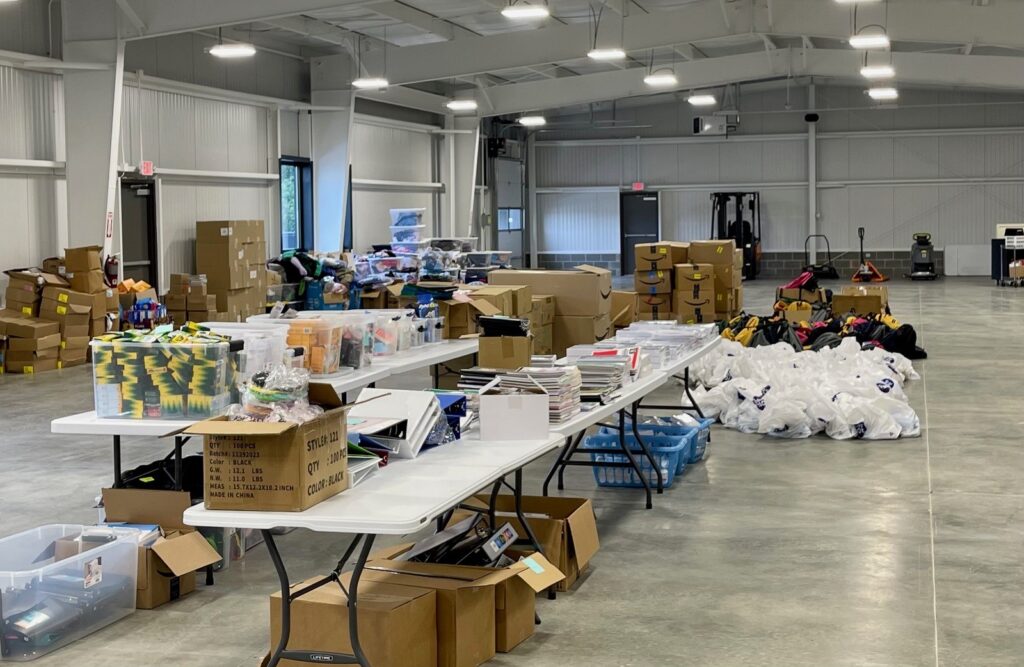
{"x":54,"y":265}
{"x":543,"y":309}
{"x":42,"y":346}
{"x":696,"y":281}
{"x":725,"y":302}
{"x":543,"y":338}
{"x":24,"y":308}
{"x":16,"y":364}
{"x":501,"y":298}
{"x":65,"y":296}
{"x":479,"y":609}
{"x":507,"y":352}
{"x":522,"y":300}
{"x":719,"y":252}
{"x":89,"y":282}
{"x":234,"y":231}
{"x":16,"y":325}
{"x":728,"y":277}
{"x":655,"y":303}
{"x":661,"y":315}
{"x":65,"y":314}
{"x":569,"y":331}
{"x":691,"y":311}
{"x":565,"y":527}
{"x":586,"y":291}
{"x":659,"y":256}
{"x":625,"y":306}
{"x":167,"y":567}
{"x":86,"y":258}
{"x":276,"y":467}
{"x":861,"y":300}
{"x":398,"y":624}
{"x":653,"y":282}
{"x":461,"y":317}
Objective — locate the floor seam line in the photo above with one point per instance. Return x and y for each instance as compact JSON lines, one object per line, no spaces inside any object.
{"x":928,"y":470}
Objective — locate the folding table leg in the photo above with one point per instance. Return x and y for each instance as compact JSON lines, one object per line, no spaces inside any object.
{"x":179,"y":444}
{"x":643,"y":446}
{"x":689,"y":396}
{"x":557,"y":463}
{"x":118,"y":477}
{"x":492,"y":509}
{"x":519,"y":512}
{"x":632,"y":459}
{"x":435,"y":373}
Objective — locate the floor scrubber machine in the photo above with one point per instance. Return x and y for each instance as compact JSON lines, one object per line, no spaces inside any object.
{"x":922,"y":262}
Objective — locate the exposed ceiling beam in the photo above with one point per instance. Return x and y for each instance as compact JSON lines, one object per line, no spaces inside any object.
{"x":133,"y":18}
{"x":689,"y":51}
{"x":407,"y":97}
{"x":420,"y":19}
{"x":314,"y":29}
{"x":997,"y":72}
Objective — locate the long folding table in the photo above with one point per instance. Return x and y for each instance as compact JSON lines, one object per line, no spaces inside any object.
{"x":406,"y":496}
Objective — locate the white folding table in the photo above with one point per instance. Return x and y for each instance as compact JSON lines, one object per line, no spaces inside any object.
{"x":404,"y":497}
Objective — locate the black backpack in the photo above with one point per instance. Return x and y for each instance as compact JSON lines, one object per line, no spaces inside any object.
{"x":904,"y":341}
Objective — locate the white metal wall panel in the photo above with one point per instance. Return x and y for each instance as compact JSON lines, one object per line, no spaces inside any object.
{"x":28,"y":108}
{"x":25,"y":27}
{"x":740,"y":162}
{"x":834,"y":217}
{"x":962,"y":216}
{"x":833,"y":159}
{"x":685,"y":214}
{"x":870,"y":158}
{"x":783,"y":218}
{"x":212,"y":142}
{"x":391,"y":153}
{"x":1004,"y":203}
{"x":659,"y":164}
{"x":559,"y":166}
{"x":915,"y":209}
{"x":1004,"y":155}
{"x":509,"y":179}
{"x":961,"y":156}
{"x":28,"y":219}
{"x":289,"y":124}
{"x":784,"y":161}
{"x":578,"y":222}
{"x":871,"y":208}
{"x":698,"y":163}
{"x":370,"y":217}
{"x":916,"y":157}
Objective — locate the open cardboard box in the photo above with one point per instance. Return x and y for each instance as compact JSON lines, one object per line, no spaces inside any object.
{"x":505,"y":352}
{"x":166,"y":568}
{"x":461,"y":317}
{"x":582,"y":292}
{"x":625,"y":307}
{"x":276,"y":466}
{"x":479,"y":609}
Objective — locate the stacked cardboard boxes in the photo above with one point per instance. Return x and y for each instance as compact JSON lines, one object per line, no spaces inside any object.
{"x":653,"y":277}
{"x":188,"y":299}
{"x":511,"y":300}
{"x":582,"y":301}
{"x":233,"y":254}
{"x":71,"y":311}
{"x":693,"y":300}
{"x":727,"y":263}
{"x":33,"y":345}
{"x":542,"y":319}
{"x":24,"y":291}
{"x":84,"y":271}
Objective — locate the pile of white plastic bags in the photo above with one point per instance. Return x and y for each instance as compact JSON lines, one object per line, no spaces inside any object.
{"x":844,"y":392}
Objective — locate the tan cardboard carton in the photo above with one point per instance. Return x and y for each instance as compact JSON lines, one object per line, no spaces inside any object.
{"x":280,"y":466}
{"x":720,"y":252}
{"x":659,"y":256}
{"x":229,"y":231}
{"x":653,"y":282}
{"x":691,"y":311}
{"x":167,"y":568}
{"x":861,"y":300}
{"x":585,"y":291}
{"x":655,"y":303}
{"x":625,"y":307}
{"x":796,"y":294}
{"x":15,"y":325}
{"x":543,"y":338}
{"x":501,"y":298}
{"x":543,"y":309}
{"x":461,"y":317}
{"x":696,"y":281}
{"x":568,"y":331}
{"x":90,"y":282}
{"x":86,"y":258}
{"x":508,"y":352}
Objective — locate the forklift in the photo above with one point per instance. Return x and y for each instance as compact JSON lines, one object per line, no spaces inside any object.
{"x":727,"y":222}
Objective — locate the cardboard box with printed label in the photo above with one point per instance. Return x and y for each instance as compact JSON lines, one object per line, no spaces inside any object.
{"x":167,"y":567}
{"x":653,"y":282}
{"x":461,"y":317}
{"x":543,"y":309}
{"x":719,"y":253}
{"x":696,"y":281}
{"x":86,"y":258}
{"x":72,"y":313}
{"x":625,"y":306}
{"x":401,"y":623}
{"x":282,"y":467}
{"x":480,"y":609}
{"x":691,"y":311}
{"x":657,"y":303}
{"x":178,"y":301}
{"x":724,"y":302}
{"x":585,"y":291}
{"x":234,"y":231}
{"x":659,"y":256}
{"x":569,"y":331}
{"x":16,"y":325}
{"x":507,"y":352}
{"x":861,"y":300}
{"x":565,"y":527}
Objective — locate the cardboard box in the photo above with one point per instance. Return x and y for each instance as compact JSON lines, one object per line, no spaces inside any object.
{"x":90,"y":282}
{"x":468,"y":600}
{"x":202,"y":316}
{"x":230,"y":231}
{"x":737,"y":298}
{"x":797,"y":316}
{"x":179,"y":317}
{"x":522,"y":416}
{"x":167,"y":567}
{"x":461,"y":317}
{"x":98,"y":326}
{"x":543,"y":338}
{"x":696,"y":281}
{"x":586,"y":291}
{"x":625,"y":308}
{"x":713,"y":252}
{"x":223,"y":273}
{"x":522,"y":301}
{"x":663,"y":315}
{"x":508,"y":352}
{"x":653,"y":282}
{"x":15,"y":325}
{"x":690,"y":311}
{"x":401,"y":623}
{"x":200,"y":301}
{"x":276,"y":466}
{"x":178,"y":301}
{"x":810,"y":296}
{"x":76,"y":331}
{"x":861,"y":300}
{"x":25,"y":309}
{"x":542,"y":308}
{"x":54,"y":265}
{"x":501,"y":298}
{"x":728,"y":277}
{"x":655,"y":303}
{"x":725,"y":302}
{"x":569,"y":331}
{"x":38,"y":344}
{"x":565,"y":527}
{"x":86,"y":258}
{"x":659,"y":256}
{"x":68,"y":314}
{"x":28,"y":367}
{"x":1016,"y":271}
{"x":74,"y":342}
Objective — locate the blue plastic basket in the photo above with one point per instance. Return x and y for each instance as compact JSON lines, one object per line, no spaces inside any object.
{"x":679,"y":431}
{"x":700,"y":442}
{"x":671,"y":453}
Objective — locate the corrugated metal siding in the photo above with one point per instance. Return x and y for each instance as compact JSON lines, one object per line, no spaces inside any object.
{"x":28,"y":107}
{"x":370,"y":217}
{"x":28,"y":219}
{"x":391,"y":154}
{"x":289,"y":124}
{"x":24,"y":27}
{"x":578,"y":223}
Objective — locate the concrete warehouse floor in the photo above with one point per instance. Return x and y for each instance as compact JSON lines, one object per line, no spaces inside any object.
{"x":771,"y":552}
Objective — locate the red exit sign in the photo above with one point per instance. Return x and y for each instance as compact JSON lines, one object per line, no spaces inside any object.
{"x":639,"y":186}
{"x":146,"y":168}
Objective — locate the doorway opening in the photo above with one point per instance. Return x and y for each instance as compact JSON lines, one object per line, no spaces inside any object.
{"x":138,"y":230}
{"x":296,"y":203}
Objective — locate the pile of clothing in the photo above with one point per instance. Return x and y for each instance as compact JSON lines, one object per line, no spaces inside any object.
{"x":845,"y":391}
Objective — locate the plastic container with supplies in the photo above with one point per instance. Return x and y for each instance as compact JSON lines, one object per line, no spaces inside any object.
{"x":408,"y":233}
{"x":320,"y":341}
{"x":136,"y":380}
{"x":386,"y":334}
{"x":409,"y":247}
{"x":357,"y":340}
{"x":667,"y":451}
{"x":283,"y":292}
{"x":59,"y":583}
{"x":407,"y":217}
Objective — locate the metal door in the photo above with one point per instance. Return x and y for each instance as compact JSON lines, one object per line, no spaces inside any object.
{"x":639,"y":222}
{"x":138,"y":232}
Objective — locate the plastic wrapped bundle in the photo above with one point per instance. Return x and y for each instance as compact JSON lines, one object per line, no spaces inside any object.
{"x":277,"y":394}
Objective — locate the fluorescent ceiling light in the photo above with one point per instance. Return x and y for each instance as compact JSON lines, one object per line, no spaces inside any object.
{"x":702,"y":100}
{"x":661,"y":79}
{"x":875,"y":40}
{"x":877,"y":71}
{"x":883,"y":93}
{"x":532,"y":121}
{"x":525,"y":11}
{"x":230,"y":50}
{"x":607,"y":54}
{"x":370,"y":83}
{"x":462,"y":105}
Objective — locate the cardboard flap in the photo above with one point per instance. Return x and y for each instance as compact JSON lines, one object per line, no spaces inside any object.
{"x":163,"y":508}
{"x":221,"y":426}
{"x":596,"y":270}
{"x":485,"y":307}
{"x":324,"y":395}
{"x":186,"y":553}
{"x":583,"y":534}
{"x":456,"y":576}
{"x":538,"y":573}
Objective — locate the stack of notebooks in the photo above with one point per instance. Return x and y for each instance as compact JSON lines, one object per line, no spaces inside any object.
{"x":543,"y":360}
{"x":604,"y":368}
{"x":562,"y":383}
{"x":476,"y":378}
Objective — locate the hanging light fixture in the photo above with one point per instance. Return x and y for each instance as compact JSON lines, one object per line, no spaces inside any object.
{"x":367,"y":82}
{"x":524,"y":10}
{"x":535,"y":120}
{"x":462,"y":105}
{"x":662,"y":78}
{"x":702,"y":100}
{"x":222,"y":50}
{"x":877,"y":72}
{"x":883,"y":94}
{"x":872,"y":40}
{"x":604,"y":53}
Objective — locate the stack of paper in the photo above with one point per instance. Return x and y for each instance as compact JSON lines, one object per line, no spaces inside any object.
{"x":476,"y":378}
{"x":604,"y":367}
{"x":543,"y":360}
{"x":562,"y":383}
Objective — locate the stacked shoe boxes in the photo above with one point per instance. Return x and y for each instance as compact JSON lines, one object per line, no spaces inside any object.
{"x":654,"y":276}
{"x":727,"y":263}
{"x":72,"y":312}
{"x":189,"y":299}
{"x":233,"y":254}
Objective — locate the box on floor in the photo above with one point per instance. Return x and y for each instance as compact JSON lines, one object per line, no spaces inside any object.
{"x":543,"y":337}
{"x":300,"y":465}
{"x":729,"y":276}
{"x":653,"y":282}
{"x":690,"y":311}
{"x":167,"y":567}
{"x":861,"y":300}
{"x":85,"y":258}
{"x":584,"y":291}
{"x":696,"y":281}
